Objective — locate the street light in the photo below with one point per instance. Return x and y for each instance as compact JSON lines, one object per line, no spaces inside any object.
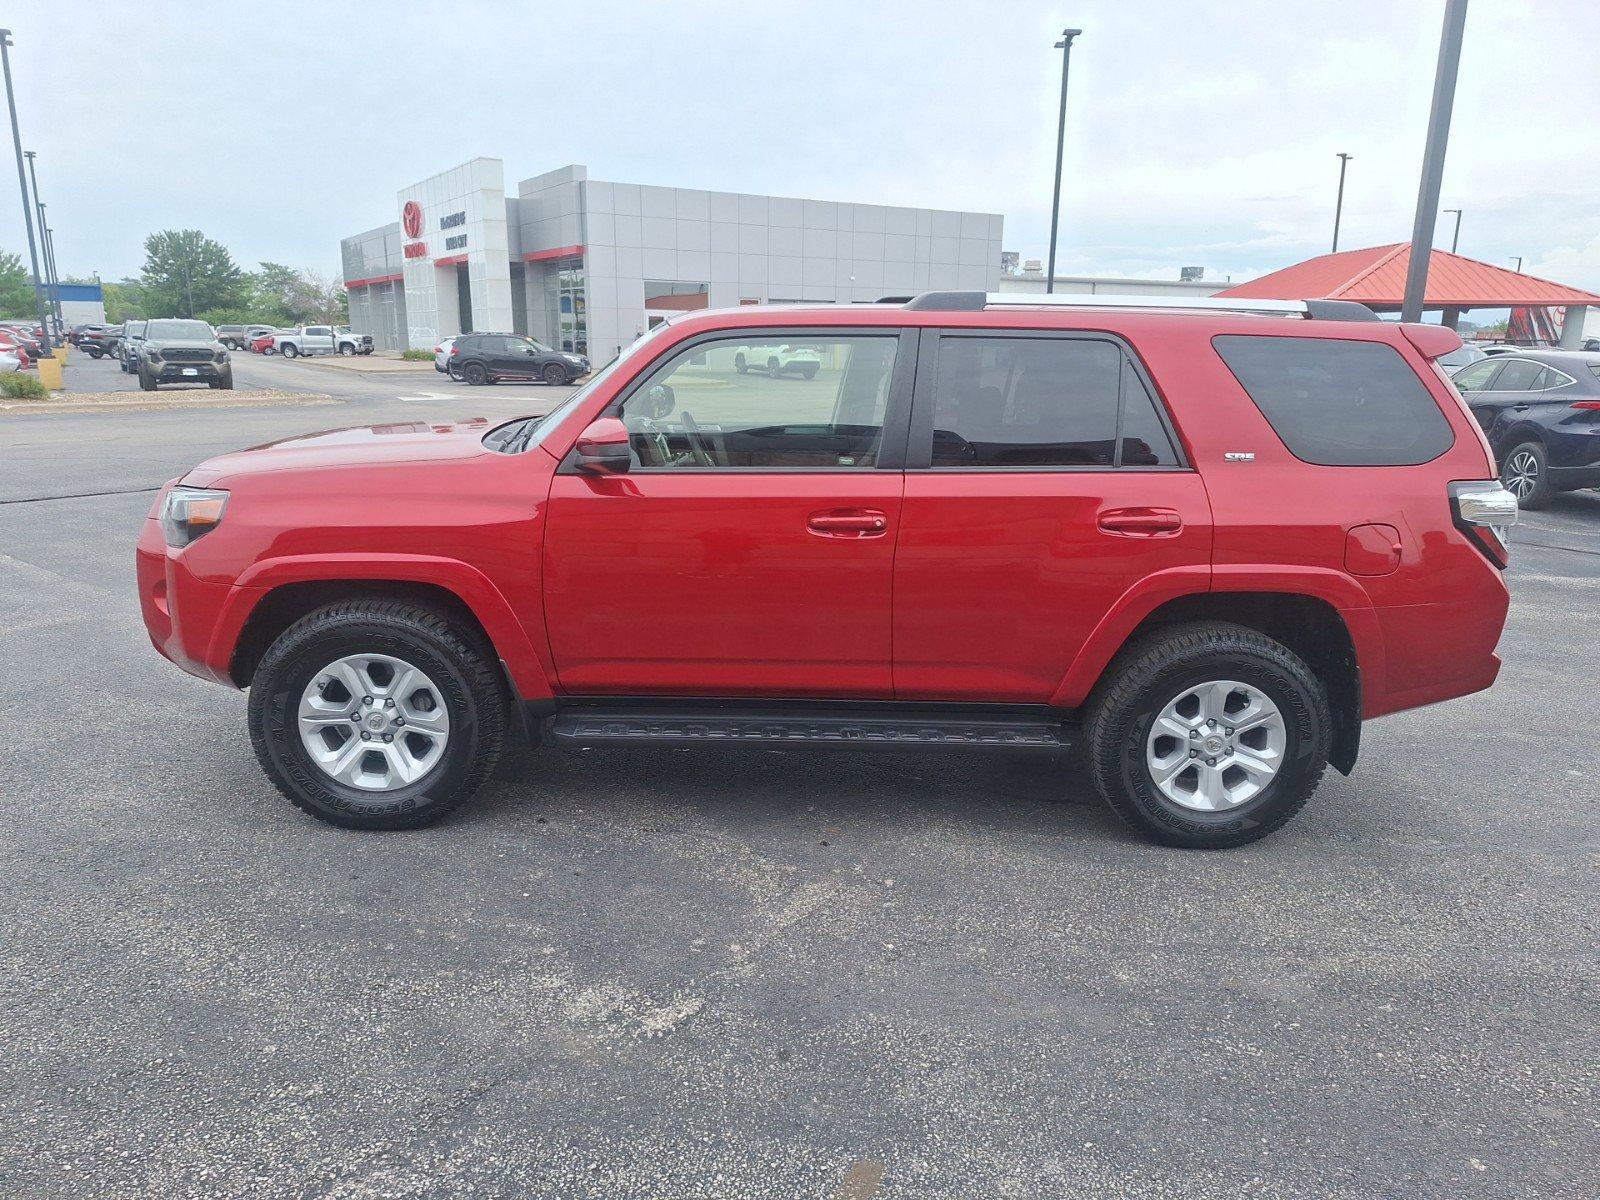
{"x":22,"y":182}
{"x":50,"y":275}
{"x":1065,"y":46}
{"x":1455,"y":239}
{"x":1519,"y":264}
{"x":1444,"y":96}
{"x":1338,"y":204}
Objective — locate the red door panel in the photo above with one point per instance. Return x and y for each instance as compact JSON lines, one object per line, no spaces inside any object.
{"x":1000,"y":577}
{"x":747,"y":584}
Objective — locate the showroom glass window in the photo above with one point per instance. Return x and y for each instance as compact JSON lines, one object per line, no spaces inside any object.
{"x":568,"y":306}
{"x":784,"y":403}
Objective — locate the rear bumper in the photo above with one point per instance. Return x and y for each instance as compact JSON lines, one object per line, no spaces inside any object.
{"x":1434,"y":652}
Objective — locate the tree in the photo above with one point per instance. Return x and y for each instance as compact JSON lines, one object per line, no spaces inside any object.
{"x":186,"y":273}
{"x":301,"y":297}
{"x":124,"y":300}
{"x":16,"y":288}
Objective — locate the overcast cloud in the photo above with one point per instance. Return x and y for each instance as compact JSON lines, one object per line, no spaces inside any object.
{"x":1198,"y":133}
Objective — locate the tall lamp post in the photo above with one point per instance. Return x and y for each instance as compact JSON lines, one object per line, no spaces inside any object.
{"x":1455,"y":238}
{"x":1065,"y":46}
{"x":1444,"y":96}
{"x":22,"y":182}
{"x":1338,"y":204}
{"x":44,"y":241}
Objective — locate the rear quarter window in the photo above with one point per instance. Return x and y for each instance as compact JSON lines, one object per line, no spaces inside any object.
{"x":1339,"y":403}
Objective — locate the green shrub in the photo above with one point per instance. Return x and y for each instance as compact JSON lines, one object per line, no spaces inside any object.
{"x":23,"y":387}
{"x":418,"y":356}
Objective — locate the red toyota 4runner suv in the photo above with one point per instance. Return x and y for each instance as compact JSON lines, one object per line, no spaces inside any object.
{"x":1200,"y":543}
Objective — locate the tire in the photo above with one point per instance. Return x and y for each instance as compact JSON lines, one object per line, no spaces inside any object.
{"x":475,"y":374}
{"x":1526,"y":474}
{"x":224,"y":383}
{"x":554,"y":374}
{"x":809,"y":372}
{"x":772,"y":368}
{"x":740,"y":365}
{"x":147,"y":382}
{"x":290,"y":350}
{"x":96,"y":353}
{"x":1161,"y":669}
{"x":461,"y":669}
{"x":346,"y":349}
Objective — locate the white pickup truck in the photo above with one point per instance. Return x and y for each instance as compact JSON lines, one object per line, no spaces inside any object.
{"x":322,"y":339}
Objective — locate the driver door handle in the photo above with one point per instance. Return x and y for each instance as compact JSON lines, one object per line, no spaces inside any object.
{"x":848,"y":523}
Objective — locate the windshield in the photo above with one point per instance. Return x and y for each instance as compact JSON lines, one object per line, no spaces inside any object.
{"x":516,"y":436}
{"x":178,"y":331}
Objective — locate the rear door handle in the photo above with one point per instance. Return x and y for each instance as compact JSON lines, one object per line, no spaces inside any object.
{"x":1519,"y":407}
{"x":848,"y":523}
{"x":1141,"y":522}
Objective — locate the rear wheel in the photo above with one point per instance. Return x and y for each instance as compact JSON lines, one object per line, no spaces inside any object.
{"x":772,"y":368}
{"x":475,"y":374}
{"x":1526,"y":475}
{"x":377,"y":714}
{"x":1208,"y":736}
{"x":289,"y":350}
{"x":555,"y":374}
{"x":95,"y":352}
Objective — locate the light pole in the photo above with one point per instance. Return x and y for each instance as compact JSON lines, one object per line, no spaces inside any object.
{"x":1519,"y":264}
{"x":1065,"y":46}
{"x":22,"y":182}
{"x":1444,"y":95}
{"x":1455,"y":239}
{"x":44,"y":242}
{"x":1338,"y":204}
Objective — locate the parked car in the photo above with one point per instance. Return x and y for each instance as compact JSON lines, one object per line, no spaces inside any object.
{"x":321,"y":339}
{"x":180,"y":351}
{"x":17,"y":348}
{"x":441,"y":357}
{"x":266,"y":342}
{"x":9,"y":363}
{"x":1464,"y":357}
{"x":239,"y":337}
{"x":128,"y":345}
{"x":1540,"y":411}
{"x":779,"y":359}
{"x":490,"y":357}
{"x":1591,"y":345}
{"x":78,"y":334}
{"x":1201,"y":545}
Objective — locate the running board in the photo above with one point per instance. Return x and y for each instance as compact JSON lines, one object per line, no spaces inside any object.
{"x":643,"y":727}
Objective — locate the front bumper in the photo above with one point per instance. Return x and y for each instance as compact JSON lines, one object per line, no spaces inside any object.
{"x":178,"y":371}
{"x":182,"y":614}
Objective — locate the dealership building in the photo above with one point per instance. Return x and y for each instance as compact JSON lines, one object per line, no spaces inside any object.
{"x":587,"y":266}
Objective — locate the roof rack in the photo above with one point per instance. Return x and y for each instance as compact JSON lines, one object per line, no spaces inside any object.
{"x":1316,"y":310}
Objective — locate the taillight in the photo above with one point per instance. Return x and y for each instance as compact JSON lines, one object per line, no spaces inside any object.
{"x":455,"y":350}
{"x":1485,"y":511}
{"x":1587,"y":405}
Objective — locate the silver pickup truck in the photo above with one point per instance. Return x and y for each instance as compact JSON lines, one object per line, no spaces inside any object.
{"x":323,"y":339}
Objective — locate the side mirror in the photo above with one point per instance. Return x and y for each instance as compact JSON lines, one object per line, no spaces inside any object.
{"x":603,"y":448}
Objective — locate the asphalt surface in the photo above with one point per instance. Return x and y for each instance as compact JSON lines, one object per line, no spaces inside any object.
{"x":743,"y":974}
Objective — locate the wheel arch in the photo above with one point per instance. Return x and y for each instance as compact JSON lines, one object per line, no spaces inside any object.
{"x":1312,"y":626}
{"x":276,"y":597}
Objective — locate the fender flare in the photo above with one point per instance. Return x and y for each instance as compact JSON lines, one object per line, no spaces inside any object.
{"x":527,"y":661}
{"x":1342,"y":593}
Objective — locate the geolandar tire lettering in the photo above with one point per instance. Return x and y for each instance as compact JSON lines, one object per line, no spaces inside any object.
{"x":375,"y":714}
{"x":1208,"y":736}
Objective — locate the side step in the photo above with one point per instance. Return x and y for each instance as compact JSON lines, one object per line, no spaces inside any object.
{"x":713,"y":727}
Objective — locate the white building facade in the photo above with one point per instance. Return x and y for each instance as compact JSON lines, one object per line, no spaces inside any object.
{"x":588,"y":265}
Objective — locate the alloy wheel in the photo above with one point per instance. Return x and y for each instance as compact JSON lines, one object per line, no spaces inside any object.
{"x":1521,"y":474}
{"x":1216,"y":745}
{"x":374,"y":722}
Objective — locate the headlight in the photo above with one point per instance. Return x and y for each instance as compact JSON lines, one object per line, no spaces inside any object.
{"x":190,"y":512}
{"x":152,"y":354}
{"x":222,"y":356}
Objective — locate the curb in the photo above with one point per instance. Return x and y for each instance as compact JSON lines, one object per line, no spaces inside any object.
{"x":187,"y":400}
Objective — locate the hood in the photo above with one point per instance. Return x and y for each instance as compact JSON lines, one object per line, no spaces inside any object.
{"x":365,"y":445}
{"x":184,"y":343}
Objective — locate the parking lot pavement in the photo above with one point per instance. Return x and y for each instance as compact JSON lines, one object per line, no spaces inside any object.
{"x":767,"y":973}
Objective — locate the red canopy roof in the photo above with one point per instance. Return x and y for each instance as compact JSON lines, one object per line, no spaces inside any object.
{"x":1376,"y":277}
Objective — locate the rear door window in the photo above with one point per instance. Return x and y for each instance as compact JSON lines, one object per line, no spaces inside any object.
{"x":1338,"y":403}
{"x":1519,"y":375}
{"x":1042,"y":402}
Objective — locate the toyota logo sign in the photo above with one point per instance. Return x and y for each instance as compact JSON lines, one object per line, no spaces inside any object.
{"x":411,"y":219}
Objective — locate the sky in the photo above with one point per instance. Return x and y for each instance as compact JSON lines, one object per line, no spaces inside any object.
{"x":1198,"y":133}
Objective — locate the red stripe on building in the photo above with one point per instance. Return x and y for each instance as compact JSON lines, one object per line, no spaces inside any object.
{"x":355,"y":283}
{"x":455,"y":260}
{"x":558,"y":252}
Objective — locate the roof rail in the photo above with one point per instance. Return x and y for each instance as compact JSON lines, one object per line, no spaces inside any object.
{"x":1316,"y":310}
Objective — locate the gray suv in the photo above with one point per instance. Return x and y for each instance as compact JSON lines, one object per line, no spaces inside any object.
{"x":175,"y":351}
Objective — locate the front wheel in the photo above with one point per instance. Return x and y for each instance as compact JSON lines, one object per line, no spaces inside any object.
{"x":1526,"y":475}
{"x":147,"y":382}
{"x":1208,"y":736}
{"x":346,"y":349}
{"x":95,"y":353}
{"x":555,"y":374}
{"x":376,"y":714}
